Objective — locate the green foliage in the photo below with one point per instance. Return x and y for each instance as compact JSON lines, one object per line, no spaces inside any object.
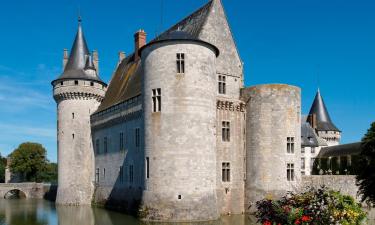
{"x":29,"y":161}
{"x":313,"y":207}
{"x":366,"y":175}
{"x":3,"y":162}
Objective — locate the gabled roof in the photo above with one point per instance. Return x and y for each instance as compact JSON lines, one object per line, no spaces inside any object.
{"x":324,"y":122}
{"x":75,"y":67}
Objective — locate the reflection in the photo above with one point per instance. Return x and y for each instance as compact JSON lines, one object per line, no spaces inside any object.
{"x":75,"y":215}
{"x":20,"y":212}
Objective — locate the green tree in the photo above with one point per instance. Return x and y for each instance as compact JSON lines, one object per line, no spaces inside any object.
{"x":29,"y":161}
{"x":366,"y":175}
{"x":50,"y":173}
{"x":3,"y":162}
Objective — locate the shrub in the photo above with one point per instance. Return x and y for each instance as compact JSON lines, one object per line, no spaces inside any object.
{"x":312,"y":207}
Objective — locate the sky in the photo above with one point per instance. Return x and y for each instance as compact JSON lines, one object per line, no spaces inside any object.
{"x":307,"y":43}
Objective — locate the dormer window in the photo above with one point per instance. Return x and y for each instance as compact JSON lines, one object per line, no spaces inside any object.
{"x":61,"y":83}
{"x":180,"y":63}
{"x":76,"y":82}
{"x":91,"y":83}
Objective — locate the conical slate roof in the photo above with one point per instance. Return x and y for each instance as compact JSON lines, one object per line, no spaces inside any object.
{"x":324,"y":122}
{"x":75,"y":67}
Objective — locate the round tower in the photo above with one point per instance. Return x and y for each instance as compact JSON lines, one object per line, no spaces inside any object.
{"x":78,"y":93}
{"x":273,"y":141}
{"x":179,"y":97}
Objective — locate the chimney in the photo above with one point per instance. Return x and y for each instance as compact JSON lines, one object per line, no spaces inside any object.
{"x":140,"y":41}
{"x":65,"y":58}
{"x":311,"y":119}
{"x":121,"y":56}
{"x":95,"y":59}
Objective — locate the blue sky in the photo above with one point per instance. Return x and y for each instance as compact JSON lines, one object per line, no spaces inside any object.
{"x":289,"y":41}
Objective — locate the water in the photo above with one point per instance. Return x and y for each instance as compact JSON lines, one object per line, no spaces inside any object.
{"x":41,"y":212}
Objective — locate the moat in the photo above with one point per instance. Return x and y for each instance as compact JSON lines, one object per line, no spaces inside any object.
{"x":41,"y":212}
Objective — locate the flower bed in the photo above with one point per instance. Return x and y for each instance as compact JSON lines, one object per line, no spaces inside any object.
{"x":313,"y":207}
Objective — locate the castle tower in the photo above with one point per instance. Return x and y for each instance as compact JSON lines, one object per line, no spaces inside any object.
{"x":273,"y":141}
{"x":322,"y":122}
{"x":179,"y":109}
{"x":78,"y":93}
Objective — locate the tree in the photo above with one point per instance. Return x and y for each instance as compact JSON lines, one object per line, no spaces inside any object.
{"x":3,"y":162}
{"x":29,"y":161}
{"x":366,"y":176}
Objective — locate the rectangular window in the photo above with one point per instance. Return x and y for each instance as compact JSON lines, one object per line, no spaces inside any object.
{"x":156,"y":100}
{"x":97,"y":148}
{"x":180,"y":63}
{"x":312,"y":160}
{"x":290,"y":145}
{"x":121,"y":141}
{"x":225,"y":131}
{"x":290,"y":172}
{"x":121,"y":174}
{"x":302,"y":150}
{"x":225,"y":172}
{"x":312,"y":150}
{"x":303,"y":173}
{"x":97,"y":176}
{"x":137,"y":137}
{"x":131,"y":173}
{"x":303,"y":163}
{"x":105,"y":145}
{"x":222,"y":84}
{"x":147,"y":167}
{"x":103,"y":173}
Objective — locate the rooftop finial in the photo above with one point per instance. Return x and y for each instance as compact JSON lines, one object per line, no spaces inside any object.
{"x":79,"y":15}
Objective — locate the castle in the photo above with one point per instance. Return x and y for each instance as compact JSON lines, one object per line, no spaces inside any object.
{"x":175,"y":135}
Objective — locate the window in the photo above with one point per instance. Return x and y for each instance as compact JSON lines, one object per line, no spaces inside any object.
{"x":76,"y":82}
{"x":137,"y":137}
{"x":303,"y":173}
{"x":312,"y":150}
{"x":105,"y":145}
{"x":147,"y":167}
{"x":121,"y":141}
{"x":73,"y":136}
{"x":97,"y":176}
{"x":303,"y":163}
{"x":290,"y":172}
{"x":91,"y":83}
{"x":180,"y":63}
{"x":225,"y":131}
{"x":72,"y":115}
{"x":121,"y":174}
{"x":103,"y":173}
{"x":302,"y":149}
{"x":131,"y":173}
{"x":97,"y":146}
{"x":61,"y":83}
{"x":290,"y":145}
{"x":222,"y":84}
{"x":312,"y":163}
{"x":156,"y":100}
{"x":225,"y":173}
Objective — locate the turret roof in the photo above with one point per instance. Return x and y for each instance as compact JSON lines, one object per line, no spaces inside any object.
{"x":324,"y":122}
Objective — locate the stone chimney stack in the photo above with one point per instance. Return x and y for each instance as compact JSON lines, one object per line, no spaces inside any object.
{"x":121,"y":56}
{"x":140,"y":41}
{"x":311,"y":119}
{"x":65,"y":58}
{"x":95,"y":57}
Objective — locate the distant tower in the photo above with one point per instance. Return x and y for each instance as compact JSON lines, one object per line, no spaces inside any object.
{"x":323,"y":123}
{"x":78,"y":93}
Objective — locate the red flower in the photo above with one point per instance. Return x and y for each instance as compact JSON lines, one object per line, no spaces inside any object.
{"x":297,"y":222}
{"x":306,"y":218}
{"x":267,"y":223}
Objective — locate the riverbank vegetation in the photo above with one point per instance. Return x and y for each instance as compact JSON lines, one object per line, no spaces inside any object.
{"x":312,"y":207}
{"x":3,"y":162}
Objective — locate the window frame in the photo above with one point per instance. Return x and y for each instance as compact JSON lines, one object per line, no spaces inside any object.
{"x":222,"y":84}
{"x":290,"y":145}
{"x":180,"y":61}
{"x":225,"y":172}
{"x":290,"y":172}
{"x":225,"y":131}
{"x":156,"y":100}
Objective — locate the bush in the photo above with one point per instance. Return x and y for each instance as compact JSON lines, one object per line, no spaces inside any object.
{"x":313,"y":207}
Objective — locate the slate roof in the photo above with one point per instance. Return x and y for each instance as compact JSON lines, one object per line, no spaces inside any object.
{"x":309,"y":138}
{"x":324,"y":122}
{"x":341,"y":150}
{"x":75,"y":67}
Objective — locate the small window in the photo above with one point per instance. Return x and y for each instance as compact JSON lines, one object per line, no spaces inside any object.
{"x":225,"y":172}
{"x":105,"y":145}
{"x":222,"y":84}
{"x":302,"y":150}
{"x":76,"y":82}
{"x":180,"y":63}
{"x":97,"y":146}
{"x":312,"y":161}
{"x":156,"y":100}
{"x":72,"y":115}
{"x":290,"y":145}
{"x":61,"y":83}
{"x":91,"y":83}
{"x":225,"y":131}
{"x":137,"y":137}
{"x":97,"y":176}
{"x":121,"y":174}
{"x":73,"y":136}
{"x":121,"y":141}
{"x":131,"y":173}
{"x":179,"y":197}
{"x":312,"y":150}
{"x":303,"y":173}
{"x":103,"y":173}
{"x":147,"y":167}
{"x":302,"y":163}
{"x":290,"y":172}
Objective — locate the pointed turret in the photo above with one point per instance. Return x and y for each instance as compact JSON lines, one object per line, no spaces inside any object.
{"x":323,"y":120}
{"x":75,"y":66}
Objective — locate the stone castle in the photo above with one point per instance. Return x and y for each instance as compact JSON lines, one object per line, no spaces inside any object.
{"x":176,"y":136}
